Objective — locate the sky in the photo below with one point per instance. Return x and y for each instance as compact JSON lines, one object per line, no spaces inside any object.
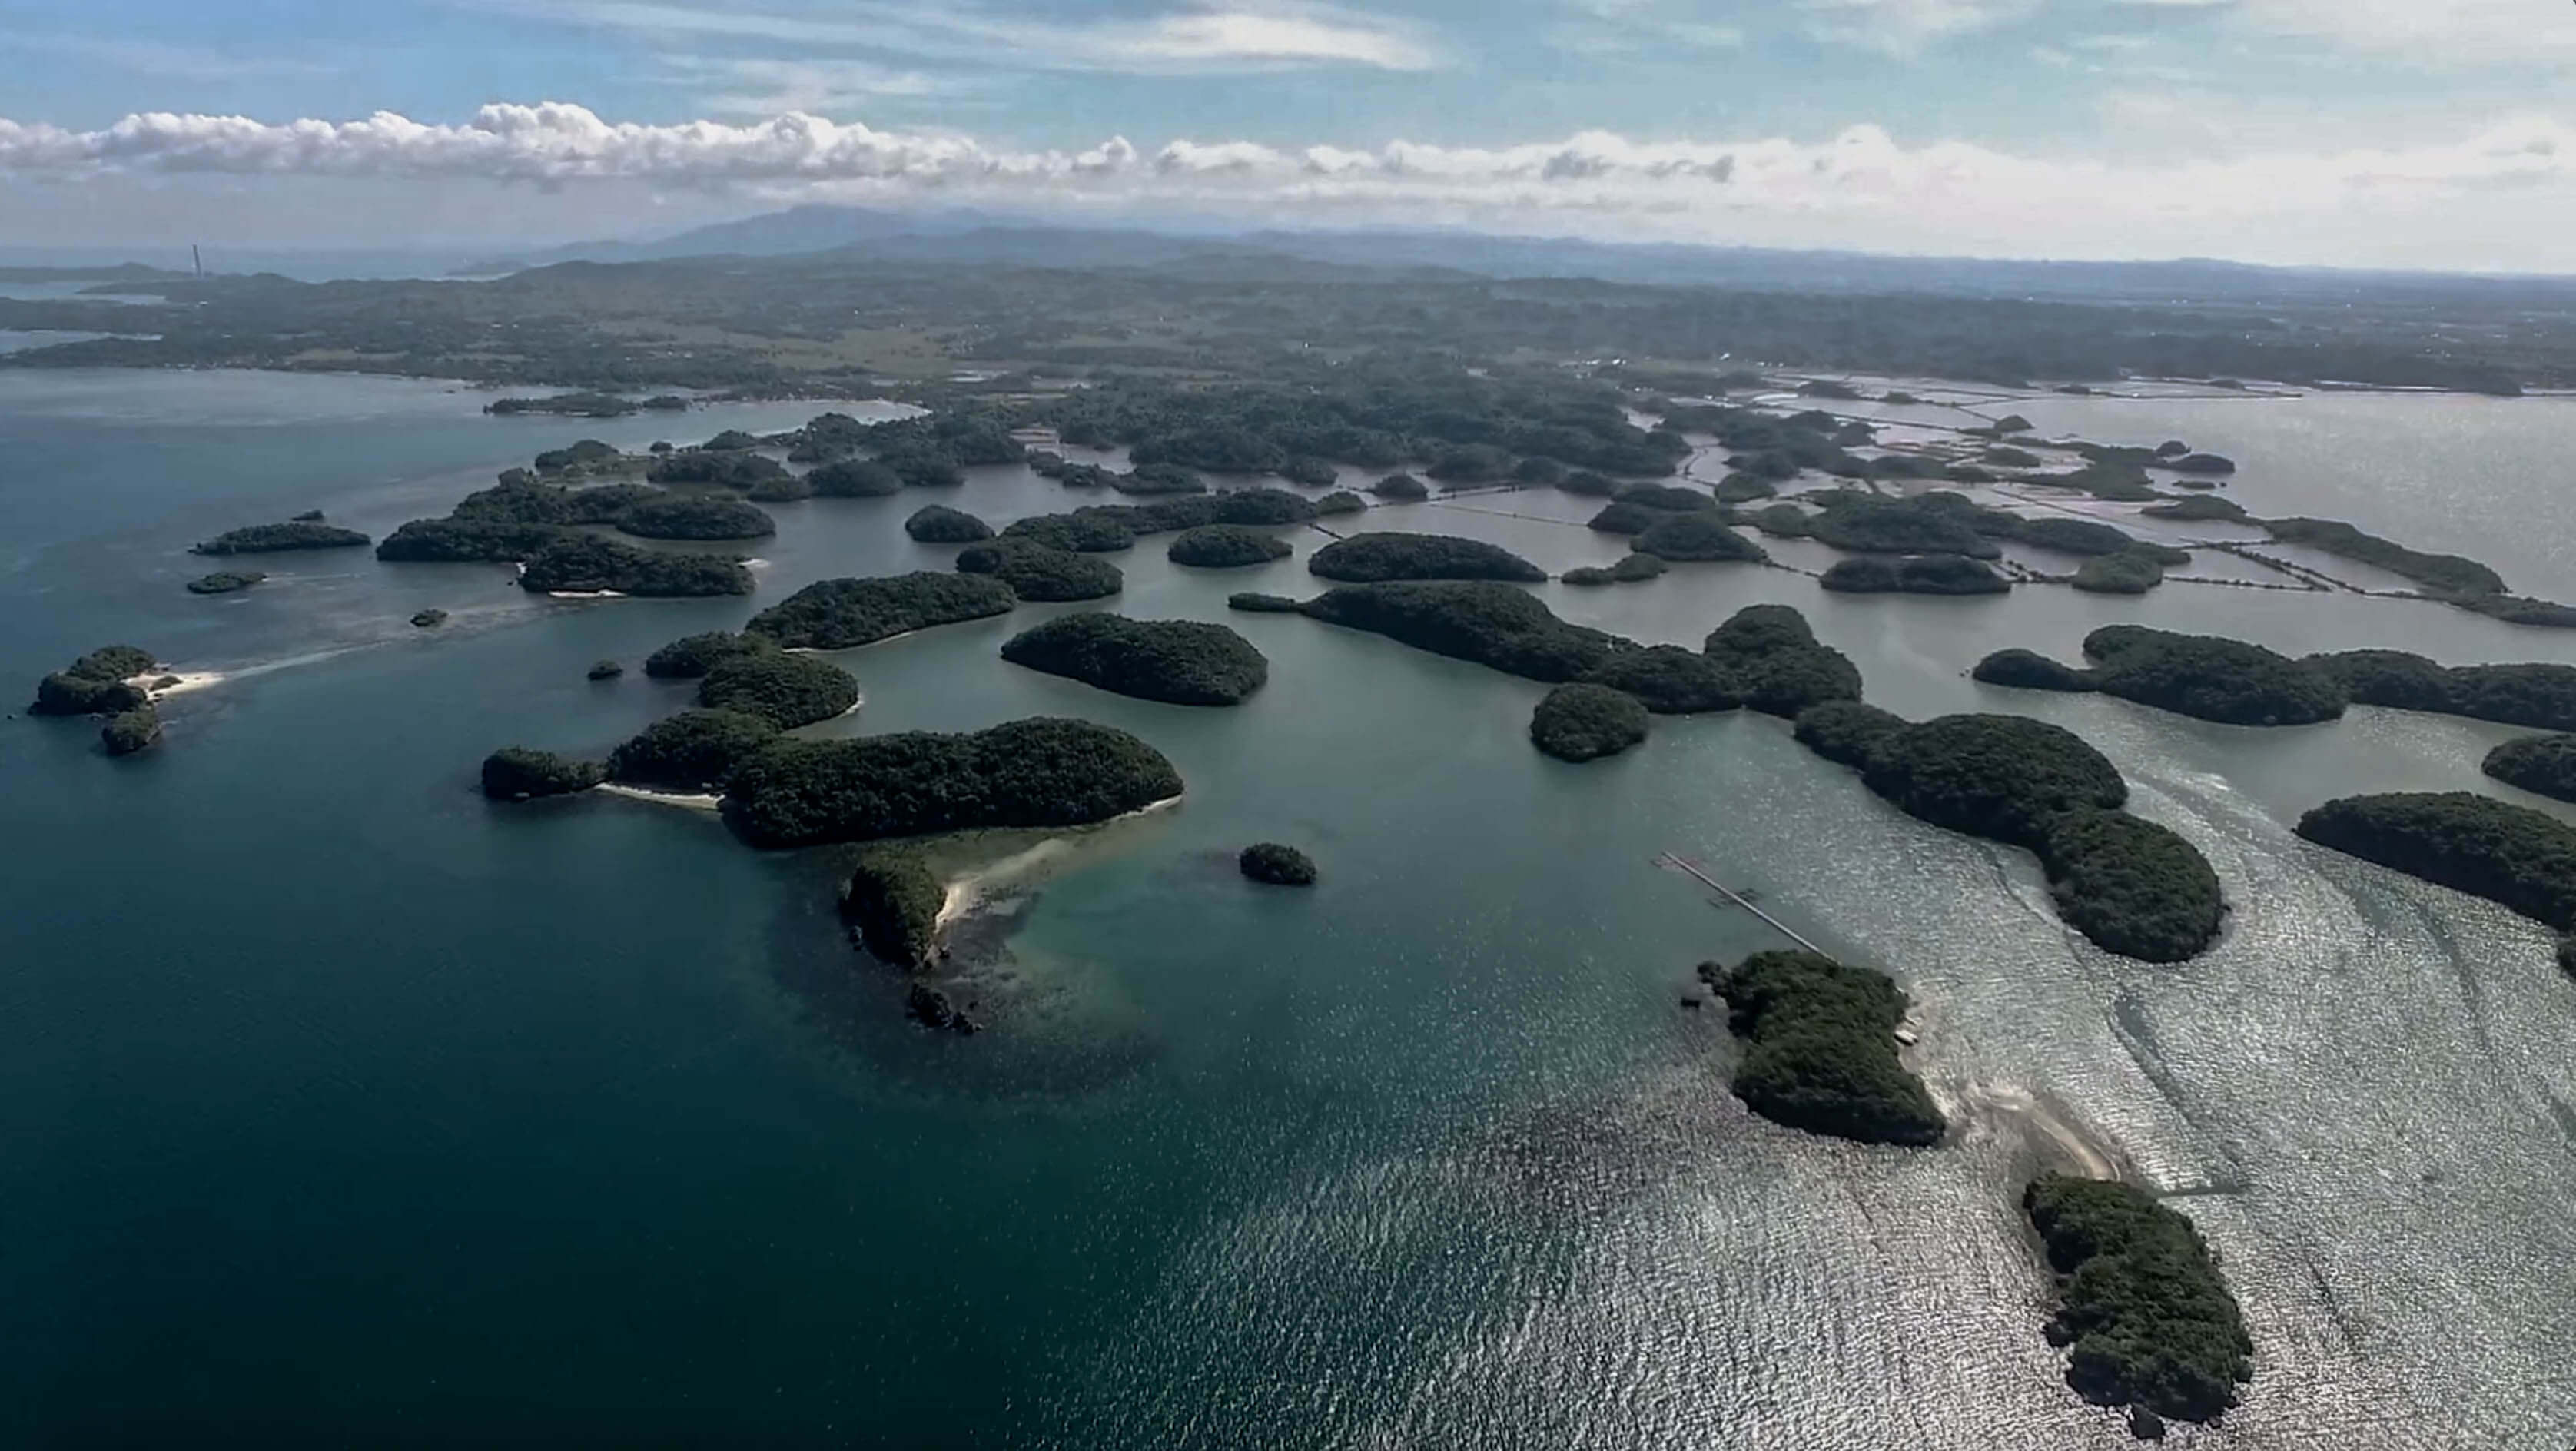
{"x":2397,"y":133}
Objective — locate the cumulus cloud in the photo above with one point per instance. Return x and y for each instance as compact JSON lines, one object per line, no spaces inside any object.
{"x":1861,"y":186}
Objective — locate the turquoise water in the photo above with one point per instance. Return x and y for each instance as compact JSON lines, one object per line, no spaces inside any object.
{"x":339,"y":1105}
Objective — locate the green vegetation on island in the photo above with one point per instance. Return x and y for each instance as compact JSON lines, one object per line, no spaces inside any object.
{"x":98,"y":683}
{"x":1040,"y":772}
{"x":1626,"y":518}
{"x":1376,"y":558}
{"x":939,"y":524}
{"x":1669,"y":680}
{"x":1402,"y":488}
{"x":1630,"y":569}
{"x":1180,"y":662}
{"x":429,"y":619}
{"x":1276,"y":865}
{"x":725,"y":469}
{"x":1078,"y":533}
{"x":2029,"y":670}
{"x":2129,"y":572}
{"x":683,"y":517}
{"x":1475,"y":620}
{"x":1921,"y":574}
{"x":1262,"y":506}
{"x":2542,"y":697}
{"x":1253,"y":602}
{"x":2445,"y":573}
{"x":588,"y":564}
{"x":225,"y":581}
{"x":1340,"y":501}
{"x":604,"y":670}
{"x":515,"y":773}
{"x":1226,"y":546}
{"x":894,"y":902}
{"x":1845,"y":731}
{"x":1039,"y":574}
{"x":2147,"y":1319}
{"x":786,"y":690}
{"x":840,"y":614}
{"x":520,"y":499}
{"x":2543,"y":765}
{"x":131,"y":730}
{"x":467,"y":541}
{"x":1582,"y":722}
{"x":1778,"y":665}
{"x":696,"y":750}
{"x":2199,"y":509}
{"x":1862,"y":523}
{"x":692,"y":656}
{"x":1701,"y":536}
{"x":2207,"y":677}
{"x":275,"y":538}
{"x":1821,"y":1052}
{"x":855,"y":478}
{"x":2514,"y":855}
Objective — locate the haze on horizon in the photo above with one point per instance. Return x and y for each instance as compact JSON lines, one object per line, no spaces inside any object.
{"x":2369,"y":134}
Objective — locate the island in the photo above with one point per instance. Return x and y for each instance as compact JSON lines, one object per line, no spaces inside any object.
{"x":840,"y":614}
{"x":1668,"y":680}
{"x":1475,"y":620}
{"x":1253,"y":602}
{"x":855,"y":478}
{"x":1625,"y":518}
{"x":2542,"y":697}
{"x":1582,"y":722}
{"x":1921,"y":574}
{"x":2542,"y":765}
{"x":1776,"y":662}
{"x":275,"y":538}
{"x":515,"y":773}
{"x":1340,"y":501}
{"x":2447,"y":573}
{"x":1863,"y":523}
{"x":130,"y":731}
{"x":1262,"y":506}
{"x":2199,"y":509}
{"x":1401,"y":488}
{"x":1027,"y":773}
{"x":1275,"y":865}
{"x":467,"y":541}
{"x":428,"y":619}
{"x":604,"y":670}
{"x":696,"y":750}
{"x":1375,"y":558}
{"x":520,"y":499}
{"x":692,"y":656}
{"x":1701,"y":536}
{"x":2148,"y":1322}
{"x":786,"y":690}
{"x":2513,"y":855}
{"x":685,"y":517}
{"x":1821,"y":1049}
{"x":1083,"y":532}
{"x":583,"y":453}
{"x":1159,"y":516}
{"x":2207,"y":677}
{"x":1178,"y":662}
{"x":2129,"y":885}
{"x":1225,"y":546}
{"x":588,"y":564}
{"x":1035,"y":572}
{"x":1845,"y":731}
{"x":724,"y":469}
{"x":939,"y":524}
{"x":225,"y":581}
{"x":893,"y":901}
{"x":2129,"y":572}
{"x":1631,"y":569}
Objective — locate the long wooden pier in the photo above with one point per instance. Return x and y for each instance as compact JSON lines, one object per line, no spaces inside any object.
{"x":1685,"y":865}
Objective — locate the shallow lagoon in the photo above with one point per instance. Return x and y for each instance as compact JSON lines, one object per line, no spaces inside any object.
{"x":343,"y":1105}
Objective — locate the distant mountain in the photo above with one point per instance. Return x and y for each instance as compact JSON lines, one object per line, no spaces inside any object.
{"x":968,"y":236}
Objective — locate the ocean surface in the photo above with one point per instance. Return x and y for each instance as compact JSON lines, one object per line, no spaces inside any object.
{"x":339,"y":1106}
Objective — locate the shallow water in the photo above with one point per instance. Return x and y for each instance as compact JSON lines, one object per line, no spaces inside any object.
{"x":341,"y":1105}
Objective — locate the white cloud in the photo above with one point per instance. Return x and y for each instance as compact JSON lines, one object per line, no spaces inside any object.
{"x":2419,"y":32}
{"x":1205,"y":39}
{"x":1905,"y":28}
{"x":2491,"y":197}
{"x":744,"y":86}
{"x":1627,"y":27}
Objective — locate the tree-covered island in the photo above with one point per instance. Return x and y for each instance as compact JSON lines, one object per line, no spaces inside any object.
{"x":1821,"y":1048}
{"x":1180,"y":662}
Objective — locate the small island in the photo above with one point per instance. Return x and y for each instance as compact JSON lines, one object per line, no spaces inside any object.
{"x":729,"y":469}
{"x":1077,"y":533}
{"x":1374,"y":558}
{"x":428,"y":619}
{"x":1669,"y":498}
{"x":130,"y":731}
{"x":2542,"y":697}
{"x":1276,"y":865}
{"x":893,"y":902}
{"x":1582,"y":722}
{"x":2513,"y":855}
{"x":1822,"y":1049}
{"x":686,"y":517}
{"x":1225,"y":546}
{"x":1701,"y":537}
{"x":1401,"y":488}
{"x":588,"y":564}
{"x":276,"y":538}
{"x":2129,"y":572}
{"x":1035,"y":572}
{"x":225,"y":581}
{"x":1776,"y":662}
{"x":696,"y":750}
{"x":786,"y":690}
{"x":1340,"y":501}
{"x":1920,"y":574}
{"x":840,"y":614}
{"x":2542,"y":765}
{"x":1845,"y":731}
{"x":1261,"y":506}
{"x":855,"y":478}
{"x":468,"y":541}
{"x":1475,"y":620}
{"x":1668,"y":680}
{"x":515,"y":773}
{"x":1040,"y":772}
{"x":604,"y":670}
{"x":692,"y":656}
{"x":2207,"y":677}
{"x":1631,"y":569}
{"x":939,"y":524}
{"x":1179,"y":662}
{"x":2149,"y":1322}
{"x":1253,"y":602}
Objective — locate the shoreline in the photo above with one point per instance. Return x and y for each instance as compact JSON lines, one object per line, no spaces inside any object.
{"x":691,"y":800}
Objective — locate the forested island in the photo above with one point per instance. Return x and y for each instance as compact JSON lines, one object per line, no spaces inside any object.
{"x":1037,"y":573}
{"x":2146,"y":1319}
{"x":1921,"y":574}
{"x":225,"y":582}
{"x":786,"y":690}
{"x":588,"y":564}
{"x":1226,"y":546}
{"x":1631,"y":569}
{"x":1376,"y":558}
{"x":2207,"y":677}
{"x":2543,"y":765}
{"x":1179,"y":662}
{"x":840,"y":614}
{"x":1081,"y":532}
{"x":1277,"y":865}
{"x":1697,"y":537}
{"x":696,"y":750}
{"x":684,"y":517}
{"x":278,"y":538}
{"x":1476,"y":620}
{"x":1669,"y":680}
{"x":939,"y":524}
{"x":1776,"y":662}
{"x":1821,"y":1052}
{"x":2513,"y":855}
{"x":98,"y":683}
{"x":692,"y":656}
{"x":893,"y":901}
{"x":1585,"y":722}
{"x":516,"y":773}
{"x":1039,"y":772}
{"x":2540,"y":696}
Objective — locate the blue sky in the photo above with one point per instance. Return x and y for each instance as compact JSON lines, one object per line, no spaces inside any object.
{"x":2366,"y":131}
